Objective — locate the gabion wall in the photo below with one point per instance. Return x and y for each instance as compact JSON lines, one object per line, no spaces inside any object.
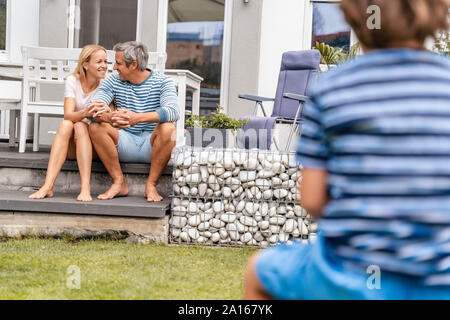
{"x":237,"y":197}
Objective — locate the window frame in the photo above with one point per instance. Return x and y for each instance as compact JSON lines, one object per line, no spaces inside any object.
{"x":75,"y":16}
{"x":4,"y":54}
{"x":308,"y":23}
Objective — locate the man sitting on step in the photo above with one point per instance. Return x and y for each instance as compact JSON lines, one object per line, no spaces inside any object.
{"x":141,"y":129}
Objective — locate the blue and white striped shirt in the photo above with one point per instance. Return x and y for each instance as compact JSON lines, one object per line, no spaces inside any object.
{"x":156,"y":93}
{"x":380,"y":126}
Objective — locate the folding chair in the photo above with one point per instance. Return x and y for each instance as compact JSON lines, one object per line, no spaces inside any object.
{"x":299,"y":69}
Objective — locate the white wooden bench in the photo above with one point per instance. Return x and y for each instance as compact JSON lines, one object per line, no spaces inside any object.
{"x":51,"y":66}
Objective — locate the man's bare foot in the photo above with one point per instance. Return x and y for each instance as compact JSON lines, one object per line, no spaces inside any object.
{"x":116,"y":190}
{"x":42,"y":193}
{"x":152,"y":194}
{"x":84,"y":196}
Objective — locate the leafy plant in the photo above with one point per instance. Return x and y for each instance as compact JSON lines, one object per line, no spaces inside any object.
{"x":335,"y":55}
{"x":442,"y":43}
{"x":218,"y":120}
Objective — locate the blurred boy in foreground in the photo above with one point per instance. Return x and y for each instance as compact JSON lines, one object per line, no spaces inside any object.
{"x":376,"y":156}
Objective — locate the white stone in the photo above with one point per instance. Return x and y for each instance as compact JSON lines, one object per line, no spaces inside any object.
{"x":267,"y":195}
{"x":236,"y":171}
{"x":203,"y":158}
{"x":178,"y":173}
{"x":194,"y":221}
{"x":239,"y":158}
{"x":276,"y":182}
{"x":266,"y":233}
{"x":272,"y":211}
{"x":216,"y":223}
{"x":258,"y":236}
{"x":218,"y":207}
{"x":205,"y":234}
{"x":251,"y":207}
{"x":204,"y":174}
{"x":227,"y":175}
{"x":184,"y":237}
{"x":175,"y":232}
{"x":218,"y":193}
{"x":282,"y":210}
{"x":194,"y":169}
{"x":290,"y":225}
{"x":179,"y":211}
{"x":263,"y":225}
{"x":283,"y":237}
{"x":203,"y":226}
{"x":187,"y":162}
{"x":290,"y":215}
{"x":218,"y":171}
{"x":201,"y":239}
{"x":264,"y":174}
{"x":313,"y":227}
{"x":289,"y":184}
{"x":202,"y":187}
{"x":228,"y":162}
{"x":249,"y":194}
{"x":296,"y":233}
{"x":193,"y":233}
{"x":246,"y":176}
{"x":192,"y":207}
{"x":246,"y":237}
{"x":206,"y":216}
{"x":258,"y":217}
{"x":302,"y":227}
{"x":263,"y":184}
{"x":223,"y":233}
{"x":214,"y":183}
{"x":248,"y":221}
{"x":278,"y":168}
{"x":251,"y":164}
{"x":273,"y":239}
{"x":280,"y":193}
{"x":266,"y":164}
{"x":277,"y":220}
{"x":240,"y":227}
{"x":228,"y":217}
{"x":275,"y":229}
{"x":264,"y":244}
{"x":240,"y":206}
{"x":232,"y":231}
{"x":185,"y":191}
{"x":215,"y":237}
{"x":178,"y":222}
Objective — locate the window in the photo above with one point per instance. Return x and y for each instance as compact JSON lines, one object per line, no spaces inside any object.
{"x":106,"y":22}
{"x":2,"y":26}
{"x":199,"y":27}
{"x":329,"y":25}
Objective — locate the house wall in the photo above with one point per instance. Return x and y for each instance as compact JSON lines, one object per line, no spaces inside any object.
{"x":244,"y":56}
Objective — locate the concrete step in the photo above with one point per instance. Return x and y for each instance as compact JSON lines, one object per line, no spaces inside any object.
{"x":27,"y":172}
{"x":64,"y":203}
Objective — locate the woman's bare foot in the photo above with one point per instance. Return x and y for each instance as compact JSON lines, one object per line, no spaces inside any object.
{"x":84,"y":196}
{"x":116,"y":190}
{"x":151,"y":193}
{"x":42,"y":193}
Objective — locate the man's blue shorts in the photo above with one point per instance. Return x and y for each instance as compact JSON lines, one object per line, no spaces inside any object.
{"x":311,"y":272}
{"x":134,"y":147}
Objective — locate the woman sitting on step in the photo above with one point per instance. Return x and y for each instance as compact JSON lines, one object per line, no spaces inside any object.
{"x":72,"y":139}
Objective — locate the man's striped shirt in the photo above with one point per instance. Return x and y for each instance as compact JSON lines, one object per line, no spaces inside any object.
{"x":380,"y":126}
{"x":156,"y":93}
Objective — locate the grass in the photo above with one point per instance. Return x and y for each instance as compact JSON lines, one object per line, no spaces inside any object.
{"x":38,"y":269}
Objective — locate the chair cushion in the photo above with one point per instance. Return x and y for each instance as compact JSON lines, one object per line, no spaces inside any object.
{"x":300,"y":60}
{"x":257,"y":133}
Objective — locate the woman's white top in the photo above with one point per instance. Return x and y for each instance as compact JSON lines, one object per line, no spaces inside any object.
{"x":73,"y":89}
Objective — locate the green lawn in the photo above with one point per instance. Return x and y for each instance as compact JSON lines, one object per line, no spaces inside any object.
{"x":38,"y":269}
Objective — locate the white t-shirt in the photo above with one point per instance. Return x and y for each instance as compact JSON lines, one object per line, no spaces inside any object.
{"x":73,"y":89}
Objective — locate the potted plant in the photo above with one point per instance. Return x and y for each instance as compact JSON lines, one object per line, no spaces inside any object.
{"x":331,"y":56}
{"x":218,"y":131}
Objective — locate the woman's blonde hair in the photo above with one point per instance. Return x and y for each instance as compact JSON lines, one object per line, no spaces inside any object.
{"x":401,"y":20}
{"x":85,"y":56}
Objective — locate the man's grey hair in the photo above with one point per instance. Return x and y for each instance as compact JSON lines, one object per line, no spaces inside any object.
{"x":134,"y":51}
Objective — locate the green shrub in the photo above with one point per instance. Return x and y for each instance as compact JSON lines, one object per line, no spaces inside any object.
{"x":218,"y":120}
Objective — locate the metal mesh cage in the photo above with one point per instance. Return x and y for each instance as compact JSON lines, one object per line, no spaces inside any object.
{"x":237,"y":197}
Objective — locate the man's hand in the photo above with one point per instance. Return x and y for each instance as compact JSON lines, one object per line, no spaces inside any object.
{"x":123,"y":119}
{"x":100,"y":111}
